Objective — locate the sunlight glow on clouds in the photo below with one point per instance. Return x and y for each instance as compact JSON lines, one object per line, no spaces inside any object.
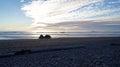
{"x":54,"y":11}
{"x":48,"y":13}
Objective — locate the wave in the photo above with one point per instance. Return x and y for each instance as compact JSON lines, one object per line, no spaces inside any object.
{"x":35,"y":35}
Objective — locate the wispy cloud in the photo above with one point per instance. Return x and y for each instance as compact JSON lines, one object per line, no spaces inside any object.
{"x":48,"y":13}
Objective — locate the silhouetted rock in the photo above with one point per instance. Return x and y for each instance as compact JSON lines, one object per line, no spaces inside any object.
{"x":41,"y":36}
{"x":47,"y":36}
{"x":22,"y":52}
{"x":44,"y":37}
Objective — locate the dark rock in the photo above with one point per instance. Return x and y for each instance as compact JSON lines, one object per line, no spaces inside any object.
{"x":47,"y":37}
{"x":44,"y":37}
{"x":41,"y":36}
{"x":23,"y":52}
{"x":114,"y":44}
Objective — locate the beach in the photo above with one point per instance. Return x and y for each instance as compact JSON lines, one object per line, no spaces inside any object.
{"x":61,"y":52}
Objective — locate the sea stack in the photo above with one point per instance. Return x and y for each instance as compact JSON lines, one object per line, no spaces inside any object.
{"x":44,"y":37}
{"x":47,"y":37}
{"x":41,"y":36}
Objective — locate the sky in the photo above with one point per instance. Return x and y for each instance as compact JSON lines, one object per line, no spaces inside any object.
{"x":60,"y":15}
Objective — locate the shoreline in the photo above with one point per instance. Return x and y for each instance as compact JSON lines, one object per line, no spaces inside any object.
{"x":61,"y":38}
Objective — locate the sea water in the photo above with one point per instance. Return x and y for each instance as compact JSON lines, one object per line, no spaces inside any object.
{"x":5,"y":35}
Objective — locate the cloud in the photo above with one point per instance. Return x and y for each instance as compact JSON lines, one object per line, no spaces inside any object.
{"x":15,"y":28}
{"x":81,"y":26}
{"x":58,"y":14}
{"x":53,"y":11}
{"x":22,"y":1}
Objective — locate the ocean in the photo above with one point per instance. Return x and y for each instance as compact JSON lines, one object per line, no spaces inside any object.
{"x":6,"y":35}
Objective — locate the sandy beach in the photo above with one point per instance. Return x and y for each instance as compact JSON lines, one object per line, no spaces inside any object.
{"x":62,"y":52}
{"x":38,"y":43}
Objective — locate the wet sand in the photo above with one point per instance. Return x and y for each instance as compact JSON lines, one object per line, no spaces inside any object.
{"x":38,"y":43}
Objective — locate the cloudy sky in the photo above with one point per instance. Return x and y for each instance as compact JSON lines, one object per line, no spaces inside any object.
{"x":60,"y":15}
